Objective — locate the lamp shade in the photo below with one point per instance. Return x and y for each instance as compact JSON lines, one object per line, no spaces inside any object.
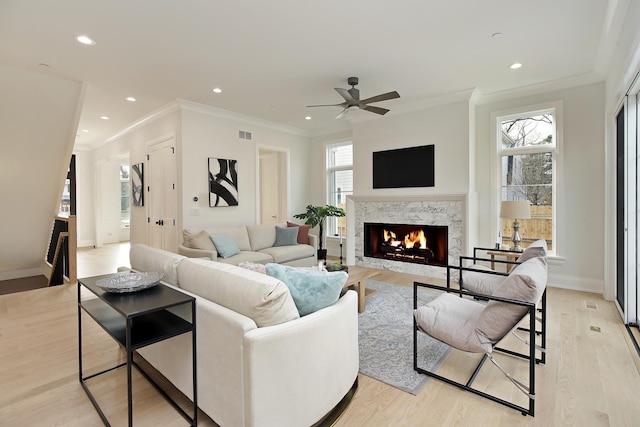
{"x":515,"y":210}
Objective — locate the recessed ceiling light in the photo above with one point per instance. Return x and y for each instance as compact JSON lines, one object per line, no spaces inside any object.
{"x":515,"y":66}
{"x":496,"y":35}
{"x":308,"y":118}
{"x":131,"y":99}
{"x":85,"y":40}
{"x":85,"y":130}
{"x":217,"y":90}
{"x":104,"y":117}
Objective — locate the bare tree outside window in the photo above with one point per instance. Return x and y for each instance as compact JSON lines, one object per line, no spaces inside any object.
{"x":527,"y":148}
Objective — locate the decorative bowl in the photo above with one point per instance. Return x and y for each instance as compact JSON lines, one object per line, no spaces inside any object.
{"x":130,"y":282}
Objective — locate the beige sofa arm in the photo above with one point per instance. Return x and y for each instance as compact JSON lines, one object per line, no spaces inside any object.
{"x":313,"y":241}
{"x":310,"y":363}
{"x":197,"y":253}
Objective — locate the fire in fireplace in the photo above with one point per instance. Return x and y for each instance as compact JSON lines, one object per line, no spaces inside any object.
{"x":422,"y":244}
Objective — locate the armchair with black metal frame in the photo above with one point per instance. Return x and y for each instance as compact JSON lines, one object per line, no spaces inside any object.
{"x":477,"y":322}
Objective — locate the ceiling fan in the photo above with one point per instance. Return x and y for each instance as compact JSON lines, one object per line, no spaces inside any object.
{"x":352,"y":100}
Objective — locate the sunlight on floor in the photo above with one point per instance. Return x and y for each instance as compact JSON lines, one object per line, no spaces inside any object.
{"x":103,"y":260}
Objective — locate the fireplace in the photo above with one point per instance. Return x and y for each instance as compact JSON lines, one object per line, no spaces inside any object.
{"x":420,"y":244}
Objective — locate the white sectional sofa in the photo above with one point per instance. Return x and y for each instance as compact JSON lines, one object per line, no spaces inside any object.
{"x":259,"y":363}
{"x":256,"y":243}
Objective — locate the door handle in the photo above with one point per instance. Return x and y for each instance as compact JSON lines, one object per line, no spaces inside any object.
{"x":160,"y":222}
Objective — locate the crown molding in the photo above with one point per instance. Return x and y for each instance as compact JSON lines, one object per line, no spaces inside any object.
{"x":230,"y":115}
{"x":182,"y":104}
{"x":536,"y":89}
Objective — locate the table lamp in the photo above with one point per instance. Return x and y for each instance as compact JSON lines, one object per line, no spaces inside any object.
{"x":515,"y":210}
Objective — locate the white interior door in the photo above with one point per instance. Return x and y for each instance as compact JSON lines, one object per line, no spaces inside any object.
{"x":162,"y":195}
{"x":269,"y":189}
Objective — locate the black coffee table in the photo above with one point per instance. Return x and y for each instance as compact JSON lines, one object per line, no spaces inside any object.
{"x":135,"y":320}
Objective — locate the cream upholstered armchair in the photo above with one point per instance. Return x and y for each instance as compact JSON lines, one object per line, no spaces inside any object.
{"x":481,"y":279}
{"x":477,"y":322}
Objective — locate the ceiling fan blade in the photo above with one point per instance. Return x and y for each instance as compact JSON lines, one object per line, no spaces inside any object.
{"x":327,"y":105}
{"x":377,"y":110}
{"x":342,"y":113}
{"x":345,"y":94}
{"x":383,"y":97}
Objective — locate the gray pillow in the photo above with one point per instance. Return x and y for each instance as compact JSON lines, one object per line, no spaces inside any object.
{"x":535,"y":249}
{"x":525,"y":283}
{"x":286,"y":236}
{"x":225,"y":245}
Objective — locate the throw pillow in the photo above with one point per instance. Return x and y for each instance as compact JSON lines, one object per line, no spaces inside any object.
{"x":202,"y":240}
{"x":311,"y":290}
{"x":225,"y":245}
{"x":536,"y":249}
{"x":303,"y":232}
{"x":286,"y":236}
{"x":526,"y":282}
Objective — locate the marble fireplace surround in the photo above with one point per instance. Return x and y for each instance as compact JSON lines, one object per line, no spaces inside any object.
{"x":442,"y":209}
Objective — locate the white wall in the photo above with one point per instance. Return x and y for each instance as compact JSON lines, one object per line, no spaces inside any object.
{"x":461,"y":132}
{"x":204,"y":135}
{"x":580,"y":217}
{"x":445,"y":126}
{"x":202,"y":132}
{"x":38,"y":122}
{"x":136,"y":145}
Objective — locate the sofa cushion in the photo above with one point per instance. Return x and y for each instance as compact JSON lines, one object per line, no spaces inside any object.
{"x":247,"y":256}
{"x":479,"y":282}
{"x":311,"y":290}
{"x":262,"y":298}
{"x":225,"y":245}
{"x":146,"y":258}
{"x":303,"y":232}
{"x":197,"y":239}
{"x":238,"y":234}
{"x":526,"y":283}
{"x":452,"y":319}
{"x":286,"y":236}
{"x":534,"y":250}
{"x":261,"y":236}
{"x":283,"y":254}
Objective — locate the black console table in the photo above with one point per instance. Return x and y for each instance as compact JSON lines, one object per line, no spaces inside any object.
{"x":136,"y":320}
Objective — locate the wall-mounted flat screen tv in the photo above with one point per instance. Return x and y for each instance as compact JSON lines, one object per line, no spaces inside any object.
{"x":404,"y":167}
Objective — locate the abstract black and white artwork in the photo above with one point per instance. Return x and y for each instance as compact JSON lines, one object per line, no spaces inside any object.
{"x":137,"y":184}
{"x":223,"y":182}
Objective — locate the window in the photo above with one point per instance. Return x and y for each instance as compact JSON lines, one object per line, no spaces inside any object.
{"x":125,"y":197}
{"x":339,"y":183}
{"x":527,"y":165}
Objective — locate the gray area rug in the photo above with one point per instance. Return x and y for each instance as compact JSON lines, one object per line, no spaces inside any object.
{"x":385,"y":336}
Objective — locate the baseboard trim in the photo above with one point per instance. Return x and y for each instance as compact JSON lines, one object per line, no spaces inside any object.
{"x":573,"y":283}
{"x":19,"y":274}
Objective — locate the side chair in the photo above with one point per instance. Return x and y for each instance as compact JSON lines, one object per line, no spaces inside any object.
{"x":481,"y":279}
{"x":476,"y":323}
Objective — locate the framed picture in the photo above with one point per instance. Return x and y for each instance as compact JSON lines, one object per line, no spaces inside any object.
{"x":137,"y":184}
{"x":223,"y":182}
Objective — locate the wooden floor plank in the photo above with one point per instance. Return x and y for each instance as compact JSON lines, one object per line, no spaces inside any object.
{"x":590,"y":378}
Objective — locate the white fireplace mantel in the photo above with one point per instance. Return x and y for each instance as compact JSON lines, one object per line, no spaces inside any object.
{"x":443,"y":209}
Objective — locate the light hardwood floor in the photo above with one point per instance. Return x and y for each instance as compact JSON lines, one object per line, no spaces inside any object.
{"x":590,"y":378}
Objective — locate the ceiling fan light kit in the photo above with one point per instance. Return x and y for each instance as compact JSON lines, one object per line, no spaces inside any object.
{"x":352,"y":100}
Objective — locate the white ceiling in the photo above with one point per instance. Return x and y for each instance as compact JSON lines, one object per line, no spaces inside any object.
{"x":271,"y":58}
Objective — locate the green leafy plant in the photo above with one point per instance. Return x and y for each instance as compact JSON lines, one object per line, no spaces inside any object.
{"x":316,"y":215}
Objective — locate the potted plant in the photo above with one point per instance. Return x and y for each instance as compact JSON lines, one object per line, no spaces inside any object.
{"x":315,"y":216}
